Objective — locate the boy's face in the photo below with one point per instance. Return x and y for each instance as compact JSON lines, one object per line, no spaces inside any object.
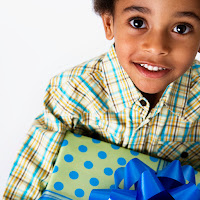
{"x":156,"y":41}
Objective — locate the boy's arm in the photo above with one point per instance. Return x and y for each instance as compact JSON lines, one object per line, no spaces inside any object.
{"x":34,"y":163}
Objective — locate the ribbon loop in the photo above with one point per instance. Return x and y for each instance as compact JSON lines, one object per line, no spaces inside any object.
{"x":189,"y":173}
{"x":119,"y":176}
{"x":168,"y":184}
{"x":123,"y":194}
{"x":148,"y":186}
{"x":188,"y":191}
{"x":98,"y":194}
{"x":133,"y":171}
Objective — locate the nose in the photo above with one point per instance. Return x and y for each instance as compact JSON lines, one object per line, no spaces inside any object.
{"x":156,"y":43}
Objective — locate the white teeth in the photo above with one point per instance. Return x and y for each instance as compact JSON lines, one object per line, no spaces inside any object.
{"x":152,"y":68}
{"x":155,"y":69}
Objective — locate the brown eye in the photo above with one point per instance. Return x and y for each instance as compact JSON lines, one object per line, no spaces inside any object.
{"x":182,"y":29}
{"x":138,"y":23}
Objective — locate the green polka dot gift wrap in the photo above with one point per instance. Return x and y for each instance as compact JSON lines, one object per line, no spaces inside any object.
{"x":84,"y":164}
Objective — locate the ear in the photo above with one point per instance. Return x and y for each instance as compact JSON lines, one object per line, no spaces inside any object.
{"x":108,"y":25}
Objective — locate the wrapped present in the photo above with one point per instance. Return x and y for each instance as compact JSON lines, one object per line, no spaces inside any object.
{"x":85,"y":164}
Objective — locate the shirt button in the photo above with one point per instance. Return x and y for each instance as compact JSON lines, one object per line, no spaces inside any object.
{"x":143,"y":102}
{"x":184,"y":154}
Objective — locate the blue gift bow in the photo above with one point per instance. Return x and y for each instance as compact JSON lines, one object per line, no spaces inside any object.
{"x":169,"y":183}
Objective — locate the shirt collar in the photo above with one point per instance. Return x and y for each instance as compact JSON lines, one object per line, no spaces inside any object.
{"x":175,"y":95}
{"x":181,"y":96}
{"x":120,"y":87}
{"x":124,"y":93}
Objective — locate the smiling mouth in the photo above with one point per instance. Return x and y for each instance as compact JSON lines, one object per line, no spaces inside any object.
{"x":152,"y":68}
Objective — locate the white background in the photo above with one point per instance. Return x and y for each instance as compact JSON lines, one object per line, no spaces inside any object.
{"x":38,"y":39}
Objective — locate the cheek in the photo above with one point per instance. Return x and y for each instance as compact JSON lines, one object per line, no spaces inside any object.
{"x":121,"y":51}
{"x":183,"y":56}
{"x":189,"y":50}
{"x":184,"y":60}
{"x":125,"y":50}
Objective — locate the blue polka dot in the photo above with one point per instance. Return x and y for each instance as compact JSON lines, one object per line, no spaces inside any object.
{"x":82,"y":148}
{"x":88,"y":164}
{"x":102,"y":155}
{"x":115,"y":147}
{"x":68,"y":158}
{"x":58,"y":186}
{"x":55,"y":169}
{"x":153,"y":159}
{"x":94,"y":181}
{"x":112,"y":187}
{"x":79,"y":193}
{"x":64,"y":143}
{"x":96,"y":141}
{"x":198,"y":185}
{"x":73,"y":175}
{"x":108,"y":171}
{"x":121,"y":161}
{"x":77,"y":135}
{"x":134,"y":153}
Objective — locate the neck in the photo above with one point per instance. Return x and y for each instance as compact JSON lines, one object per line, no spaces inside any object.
{"x":153,"y":99}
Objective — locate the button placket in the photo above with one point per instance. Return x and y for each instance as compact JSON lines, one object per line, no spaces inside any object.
{"x":143,"y":102}
{"x":141,"y":122}
{"x":184,"y":154}
{"x":144,"y":107}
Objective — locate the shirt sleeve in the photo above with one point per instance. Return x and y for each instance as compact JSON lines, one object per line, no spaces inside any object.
{"x":34,"y":162}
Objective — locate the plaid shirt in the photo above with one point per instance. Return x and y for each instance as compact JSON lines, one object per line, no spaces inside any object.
{"x":98,"y":99}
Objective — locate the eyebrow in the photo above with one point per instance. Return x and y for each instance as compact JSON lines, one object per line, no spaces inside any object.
{"x":137,"y":8}
{"x":148,"y":11}
{"x":188,"y":14}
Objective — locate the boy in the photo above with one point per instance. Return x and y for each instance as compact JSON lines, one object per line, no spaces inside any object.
{"x":144,"y":94}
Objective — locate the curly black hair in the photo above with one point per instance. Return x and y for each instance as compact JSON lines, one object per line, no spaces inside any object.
{"x":104,"y":6}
